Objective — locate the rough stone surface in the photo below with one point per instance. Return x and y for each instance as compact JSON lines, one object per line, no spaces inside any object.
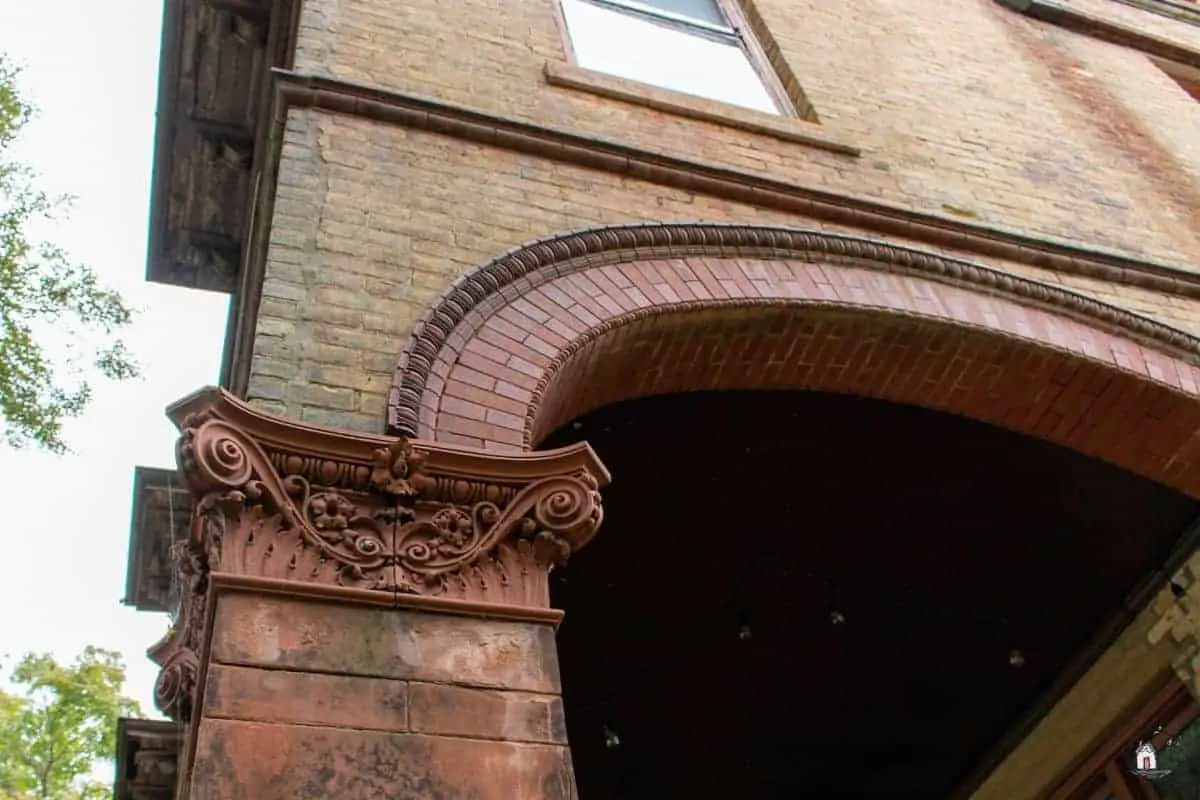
{"x":275,"y":695}
{"x":307,"y":636}
{"x":511,"y":716}
{"x":309,"y":699}
{"x":252,"y":761}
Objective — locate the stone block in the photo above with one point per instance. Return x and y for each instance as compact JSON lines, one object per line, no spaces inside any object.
{"x":252,"y":761}
{"x":307,"y":698}
{"x":485,"y":713}
{"x":310,"y":636}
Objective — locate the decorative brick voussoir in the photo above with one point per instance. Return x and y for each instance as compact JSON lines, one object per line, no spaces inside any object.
{"x":548,"y":332}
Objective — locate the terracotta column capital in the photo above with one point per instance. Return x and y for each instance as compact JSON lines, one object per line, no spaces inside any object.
{"x":296,"y":509}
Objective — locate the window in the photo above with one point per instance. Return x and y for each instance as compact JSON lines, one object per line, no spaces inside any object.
{"x":686,"y":45}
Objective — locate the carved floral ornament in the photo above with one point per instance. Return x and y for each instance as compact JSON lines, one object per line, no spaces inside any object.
{"x":301,"y":506}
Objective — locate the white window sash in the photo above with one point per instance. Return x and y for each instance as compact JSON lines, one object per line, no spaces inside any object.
{"x":722,"y":33}
{"x":727,"y":73}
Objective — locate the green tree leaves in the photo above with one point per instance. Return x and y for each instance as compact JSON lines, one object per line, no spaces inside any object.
{"x":65,"y":720}
{"x":42,"y":290}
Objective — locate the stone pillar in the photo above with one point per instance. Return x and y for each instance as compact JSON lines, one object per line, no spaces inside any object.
{"x":367,"y":617}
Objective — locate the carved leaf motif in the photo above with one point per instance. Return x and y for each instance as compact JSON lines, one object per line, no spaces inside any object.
{"x":241,"y":475}
{"x":400,"y":530}
{"x":176,"y":653}
{"x":270,"y":549}
{"x":559,"y":509}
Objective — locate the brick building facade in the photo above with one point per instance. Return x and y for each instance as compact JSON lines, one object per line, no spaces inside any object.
{"x":461,"y":239}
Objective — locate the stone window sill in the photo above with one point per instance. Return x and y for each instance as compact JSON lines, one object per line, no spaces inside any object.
{"x":1182,"y":10}
{"x":788,"y":129}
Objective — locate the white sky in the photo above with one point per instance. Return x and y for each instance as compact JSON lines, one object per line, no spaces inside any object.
{"x":91,"y":68}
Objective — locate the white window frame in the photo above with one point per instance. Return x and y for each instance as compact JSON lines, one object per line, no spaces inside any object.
{"x":735,"y":32}
{"x":723,"y":33}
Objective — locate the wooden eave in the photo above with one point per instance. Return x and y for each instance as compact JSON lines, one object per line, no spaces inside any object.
{"x":147,"y":759}
{"x":214,"y":71}
{"x":162,"y":510}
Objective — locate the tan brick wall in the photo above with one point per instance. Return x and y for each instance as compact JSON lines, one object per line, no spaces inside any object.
{"x":372,"y":222}
{"x":961,"y":108}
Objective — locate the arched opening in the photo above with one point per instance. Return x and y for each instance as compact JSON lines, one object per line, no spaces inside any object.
{"x":544,"y":332}
{"x":868,"y":503}
{"x":806,"y":594}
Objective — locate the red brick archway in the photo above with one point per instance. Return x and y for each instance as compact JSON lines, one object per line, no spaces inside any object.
{"x":561,"y":327}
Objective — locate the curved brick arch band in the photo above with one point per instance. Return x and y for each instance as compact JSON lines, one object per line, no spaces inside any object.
{"x":552,"y":330}
{"x":479,"y":293}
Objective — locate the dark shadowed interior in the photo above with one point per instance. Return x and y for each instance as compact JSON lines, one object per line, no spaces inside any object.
{"x":809,"y":595}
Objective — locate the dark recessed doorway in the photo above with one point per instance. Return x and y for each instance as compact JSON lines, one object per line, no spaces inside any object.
{"x":810,"y":595}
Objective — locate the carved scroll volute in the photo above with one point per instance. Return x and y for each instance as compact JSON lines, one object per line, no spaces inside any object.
{"x":285,"y":502}
{"x":292,"y":526}
{"x":570,"y":509}
{"x":560,"y":514}
{"x":178,"y":653}
{"x":214,"y":455}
